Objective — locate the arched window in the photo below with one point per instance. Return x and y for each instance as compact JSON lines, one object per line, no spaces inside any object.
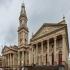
{"x":60,"y":57}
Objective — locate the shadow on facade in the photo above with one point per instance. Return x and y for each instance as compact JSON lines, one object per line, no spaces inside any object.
{"x":36,"y":67}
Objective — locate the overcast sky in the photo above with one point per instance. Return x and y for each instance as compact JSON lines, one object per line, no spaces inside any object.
{"x":38,"y":12}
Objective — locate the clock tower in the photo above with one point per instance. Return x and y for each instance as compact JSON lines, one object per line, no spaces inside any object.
{"x":22,"y":29}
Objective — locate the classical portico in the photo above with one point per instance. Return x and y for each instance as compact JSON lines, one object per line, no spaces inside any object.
{"x":9,"y":56}
{"x":23,"y":58}
{"x":50,"y":48}
{"x":46,"y":51}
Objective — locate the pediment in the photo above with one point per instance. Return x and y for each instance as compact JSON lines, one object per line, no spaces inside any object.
{"x":46,"y":28}
{"x":5,"y":49}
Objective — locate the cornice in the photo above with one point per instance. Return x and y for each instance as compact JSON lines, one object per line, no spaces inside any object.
{"x":23,"y":47}
{"x":48,"y":25}
{"x":47,"y":34}
{"x":22,"y":27}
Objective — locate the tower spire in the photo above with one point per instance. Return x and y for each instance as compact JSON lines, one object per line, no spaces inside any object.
{"x":23,"y":11}
{"x":23,"y":17}
{"x":23,"y":5}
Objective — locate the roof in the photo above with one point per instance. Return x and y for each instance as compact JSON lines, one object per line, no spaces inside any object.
{"x":13,"y":48}
{"x":61,"y":23}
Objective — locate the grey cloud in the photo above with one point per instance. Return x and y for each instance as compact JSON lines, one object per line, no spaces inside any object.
{"x":11,"y":35}
{"x":5,"y":1}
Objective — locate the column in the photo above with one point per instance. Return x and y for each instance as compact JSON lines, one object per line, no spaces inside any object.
{"x":10,"y":59}
{"x":2,"y":60}
{"x":34,"y":49}
{"x":48,"y":58}
{"x":26,"y":58}
{"x":23,"y":58}
{"x":6,"y":60}
{"x":42,"y":52}
{"x":63,"y":49}
{"x":13,"y":60}
{"x":32,"y":55}
{"x":55,"y":45}
{"x":36,"y":53}
{"x":18,"y":58}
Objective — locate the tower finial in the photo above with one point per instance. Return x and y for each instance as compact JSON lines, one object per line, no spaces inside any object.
{"x":63,"y":17}
{"x":23,"y":5}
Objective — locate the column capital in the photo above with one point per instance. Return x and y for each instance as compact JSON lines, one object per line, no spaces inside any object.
{"x":63,"y":35}
{"x":55,"y":37}
{"x":41,"y":42}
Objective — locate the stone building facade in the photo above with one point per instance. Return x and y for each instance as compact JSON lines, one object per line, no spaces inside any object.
{"x":48,"y":46}
{"x":9,"y":56}
{"x":0,"y":61}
